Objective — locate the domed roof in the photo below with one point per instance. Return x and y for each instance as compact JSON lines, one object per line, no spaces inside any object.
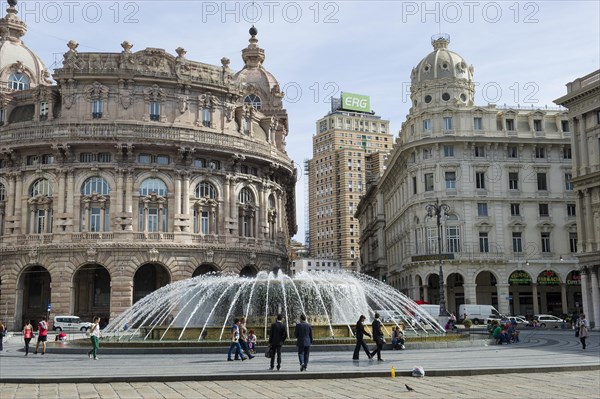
{"x":15,"y":56}
{"x":441,"y":63}
{"x":257,"y":79}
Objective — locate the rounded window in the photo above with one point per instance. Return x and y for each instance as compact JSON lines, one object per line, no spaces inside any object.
{"x":253,"y":100}
{"x":153,"y":185}
{"x":95,"y":184}
{"x":445,"y":96}
{"x":205,"y":189}
{"x":463,"y":97}
{"x":18,"y":81}
{"x":428,"y":99}
{"x":246,"y":196}
{"x":41,"y":187}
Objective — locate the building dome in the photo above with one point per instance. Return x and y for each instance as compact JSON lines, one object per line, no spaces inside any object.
{"x":259,"y":82}
{"x":441,"y":63}
{"x":20,"y":68}
{"x":442,"y":77}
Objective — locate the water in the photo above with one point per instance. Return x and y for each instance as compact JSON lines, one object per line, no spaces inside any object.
{"x":212,"y":301}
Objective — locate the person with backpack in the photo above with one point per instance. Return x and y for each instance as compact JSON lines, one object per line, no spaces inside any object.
{"x":42,"y":336}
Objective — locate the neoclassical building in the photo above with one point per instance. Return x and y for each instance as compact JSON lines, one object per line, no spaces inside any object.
{"x":583,"y":101}
{"x":509,"y":237}
{"x":133,"y":170}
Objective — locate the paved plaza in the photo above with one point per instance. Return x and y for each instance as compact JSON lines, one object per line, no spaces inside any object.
{"x":546,"y":364}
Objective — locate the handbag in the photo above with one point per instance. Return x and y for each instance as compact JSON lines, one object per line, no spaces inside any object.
{"x":269,"y":352}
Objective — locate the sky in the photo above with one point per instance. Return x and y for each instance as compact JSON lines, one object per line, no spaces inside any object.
{"x":523,"y":52}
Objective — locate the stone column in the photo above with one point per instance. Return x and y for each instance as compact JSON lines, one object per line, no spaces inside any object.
{"x":502,"y":290}
{"x":71,"y":190}
{"x":595,"y":308}
{"x":177,"y":194}
{"x":129,"y":192}
{"x":585,"y":296}
{"x":470,"y":290}
{"x":20,"y":204}
{"x":575,"y":149}
{"x":119,"y":194}
{"x":186,"y":194}
{"x":425,"y":293}
{"x":10,"y":196}
{"x":581,"y":222}
{"x":145,"y":219}
{"x":563,"y":297}
{"x":61,"y":191}
{"x":589,"y":216}
{"x":534,"y":294}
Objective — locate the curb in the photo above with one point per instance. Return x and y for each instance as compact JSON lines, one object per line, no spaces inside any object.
{"x":292,"y":375}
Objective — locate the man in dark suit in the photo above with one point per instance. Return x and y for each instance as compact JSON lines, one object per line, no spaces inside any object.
{"x":276,"y":340}
{"x":304,"y":339}
{"x":360,"y":333}
{"x":378,"y":337}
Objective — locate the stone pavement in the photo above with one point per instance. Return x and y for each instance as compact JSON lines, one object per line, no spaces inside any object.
{"x":453,"y":372}
{"x":569,"y":384}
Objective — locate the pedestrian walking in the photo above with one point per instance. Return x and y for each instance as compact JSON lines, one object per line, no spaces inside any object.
{"x":244,"y":338}
{"x":360,"y":333}
{"x":95,"y":338}
{"x":276,"y":340}
{"x":377,"y":337}
{"x":235,"y":342}
{"x":42,"y":336}
{"x":584,"y":324}
{"x":304,"y":339}
{"x":27,"y":335}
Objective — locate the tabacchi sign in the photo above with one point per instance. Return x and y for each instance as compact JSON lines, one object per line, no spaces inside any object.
{"x":356,"y":102}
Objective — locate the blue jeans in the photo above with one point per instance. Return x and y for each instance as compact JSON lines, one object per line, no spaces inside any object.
{"x":238,"y":350}
{"x":303,"y":353}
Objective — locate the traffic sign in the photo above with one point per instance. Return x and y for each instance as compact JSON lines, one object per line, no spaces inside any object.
{"x":49,"y":306}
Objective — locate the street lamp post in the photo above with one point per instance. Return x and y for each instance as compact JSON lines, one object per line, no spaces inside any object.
{"x":438,"y":210}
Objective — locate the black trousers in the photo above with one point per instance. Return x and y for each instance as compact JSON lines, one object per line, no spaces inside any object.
{"x":276,"y":349}
{"x":360,"y":343}
{"x":582,"y":340}
{"x":27,"y":345}
{"x":378,"y":348}
{"x":303,"y":353}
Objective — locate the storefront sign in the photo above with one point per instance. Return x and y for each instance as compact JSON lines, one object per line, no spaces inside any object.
{"x":519,"y":278}
{"x":548,"y":277}
{"x":574,"y":278}
{"x":424,"y":258}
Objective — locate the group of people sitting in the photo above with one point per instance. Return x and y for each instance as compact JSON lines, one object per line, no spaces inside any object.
{"x":504,"y":333}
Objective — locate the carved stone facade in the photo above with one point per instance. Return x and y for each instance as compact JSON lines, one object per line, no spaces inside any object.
{"x":510,"y":236}
{"x":135,"y":170}
{"x":583,"y":101}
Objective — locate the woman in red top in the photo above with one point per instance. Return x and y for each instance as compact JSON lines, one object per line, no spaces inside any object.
{"x":27,"y":335}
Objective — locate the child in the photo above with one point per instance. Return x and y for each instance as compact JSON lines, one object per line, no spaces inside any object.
{"x":252,"y":341}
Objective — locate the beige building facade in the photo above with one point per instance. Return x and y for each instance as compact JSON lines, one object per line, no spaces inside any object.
{"x":583,"y":101}
{"x":135,"y":169}
{"x":337,"y":180}
{"x":509,"y":237}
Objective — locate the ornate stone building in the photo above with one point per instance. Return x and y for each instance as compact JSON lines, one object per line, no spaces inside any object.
{"x":134,"y":170}
{"x":583,"y":101}
{"x":510,"y":236}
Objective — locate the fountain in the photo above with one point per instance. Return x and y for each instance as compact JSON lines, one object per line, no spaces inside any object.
{"x":202,"y":308}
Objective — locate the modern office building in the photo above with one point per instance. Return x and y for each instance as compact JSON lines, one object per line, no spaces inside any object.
{"x":133,"y":170}
{"x":509,"y":236}
{"x":583,"y":101}
{"x":337,"y":176}
{"x":313,"y":265}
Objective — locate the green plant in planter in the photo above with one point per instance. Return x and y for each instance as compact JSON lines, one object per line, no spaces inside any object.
{"x":467,"y":323}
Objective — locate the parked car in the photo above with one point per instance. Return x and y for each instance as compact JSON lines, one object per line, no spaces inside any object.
{"x":546,"y":320}
{"x":521,"y":322}
{"x":70,"y":323}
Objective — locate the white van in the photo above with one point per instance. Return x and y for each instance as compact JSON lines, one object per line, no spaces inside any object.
{"x":70,"y":323}
{"x":478,"y":314}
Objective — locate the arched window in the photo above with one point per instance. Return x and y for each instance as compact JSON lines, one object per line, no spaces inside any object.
{"x":153,"y":206}
{"x":205,"y":190}
{"x":18,"y":81}
{"x":206,"y":209}
{"x":95,"y":212}
{"x":247,"y":213}
{"x":153,"y":185}
{"x":95,"y":185}
{"x":246,"y":196}
{"x":40,"y":207}
{"x":253,"y":100}
{"x":2,"y":192}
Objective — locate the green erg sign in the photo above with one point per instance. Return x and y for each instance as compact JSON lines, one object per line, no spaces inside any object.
{"x":356,"y":102}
